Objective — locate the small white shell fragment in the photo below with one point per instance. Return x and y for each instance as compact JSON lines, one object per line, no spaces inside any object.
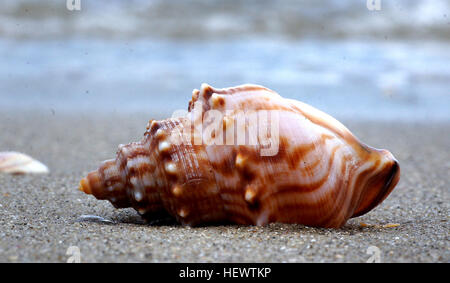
{"x":94,"y":218}
{"x":19,"y":163}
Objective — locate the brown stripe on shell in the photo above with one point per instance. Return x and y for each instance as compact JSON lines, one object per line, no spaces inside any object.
{"x":311,"y":186}
{"x":288,"y":210}
{"x":359,"y":185}
{"x":338,"y":215}
{"x":383,"y":181}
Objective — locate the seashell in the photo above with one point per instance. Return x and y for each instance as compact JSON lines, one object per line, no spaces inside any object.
{"x":310,"y":169}
{"x":20,"y":163}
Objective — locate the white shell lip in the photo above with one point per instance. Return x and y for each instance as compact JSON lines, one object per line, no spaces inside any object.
{"x":12,"y":162}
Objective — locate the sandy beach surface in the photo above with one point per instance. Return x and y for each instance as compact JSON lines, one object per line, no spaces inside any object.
{"x":41,"y":215}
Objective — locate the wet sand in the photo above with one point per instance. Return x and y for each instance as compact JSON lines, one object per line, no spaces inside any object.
{"x":40,"y":215}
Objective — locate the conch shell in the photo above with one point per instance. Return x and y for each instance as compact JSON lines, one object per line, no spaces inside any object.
{"x":309,"y":169}
{"x":19,"y":163}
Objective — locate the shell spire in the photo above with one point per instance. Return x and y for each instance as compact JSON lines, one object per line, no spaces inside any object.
{"x":247,"y":155}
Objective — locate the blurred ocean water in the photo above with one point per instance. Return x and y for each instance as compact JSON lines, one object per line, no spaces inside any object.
{"x":148,"y":55}
{"x":207,"y":19}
